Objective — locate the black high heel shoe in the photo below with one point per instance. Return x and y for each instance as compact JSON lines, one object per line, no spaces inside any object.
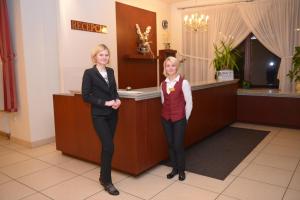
{"x":181,"y":176}
{"x":173,"y":173}
{"x":109,"y":187}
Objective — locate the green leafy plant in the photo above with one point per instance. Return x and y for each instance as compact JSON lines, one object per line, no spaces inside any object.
{"x":294,"y":73}
{"x":225,"y":56}
{"x":246,"y":84}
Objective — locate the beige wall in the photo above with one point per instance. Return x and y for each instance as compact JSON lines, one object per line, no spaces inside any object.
{"x":50,"y":58}
{"x":74,"y":55}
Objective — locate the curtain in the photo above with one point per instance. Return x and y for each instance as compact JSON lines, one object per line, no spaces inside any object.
{"x":195,"y":54}
{"x":275,"y":23}
{"x":224,"y":23}
{"x":7,"y":58}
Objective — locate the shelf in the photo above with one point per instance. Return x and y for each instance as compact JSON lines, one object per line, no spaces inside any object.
{"x":141,"y":57}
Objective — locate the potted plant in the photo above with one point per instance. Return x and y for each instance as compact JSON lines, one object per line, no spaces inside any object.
{"x":225,"y":60}
{"x":294,"y":72}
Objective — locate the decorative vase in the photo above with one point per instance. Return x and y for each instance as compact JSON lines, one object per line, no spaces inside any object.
{"x":143,"y":49}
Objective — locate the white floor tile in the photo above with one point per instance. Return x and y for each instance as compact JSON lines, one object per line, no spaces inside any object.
{"x":75,"y":189}
{"x":77,"y":166}
{"x":208,"y":183}
{"x":286,"y":133}
{"x":55,"y":158}
{"x":281,"y":162}
{"x":238,"y":170}
{"x":144,"y":186}
{"x":46,"y":178}
{"x":160,"y":170}
{"x":282,"y":150}
{"x":182,"y":191}
{"x":11,"y":158}
{"x":44,"y":173}
{"x":286,"y":142}
{"x":38,"y":151}
{"x":267,"y":174}
{"x":295,"y":183}
{"x":24,"y":168}
{"x":13,"y":190}
{"x":16,"y":147}
{"x":36,"y":196}
{"x":245,"y":189}
{"x":4,"y":178}
{"x":250,"y":157}
{"x":103,"y":195}
{"x":292,"y":195}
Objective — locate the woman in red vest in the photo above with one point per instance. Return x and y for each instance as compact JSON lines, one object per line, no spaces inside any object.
{"x":177,"y":104}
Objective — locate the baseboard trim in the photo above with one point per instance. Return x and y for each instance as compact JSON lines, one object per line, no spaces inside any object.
{"x":32,"y":144}
{"x":4,"y":134}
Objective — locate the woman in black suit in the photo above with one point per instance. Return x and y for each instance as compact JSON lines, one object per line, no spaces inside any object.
{"x":100,"y":90}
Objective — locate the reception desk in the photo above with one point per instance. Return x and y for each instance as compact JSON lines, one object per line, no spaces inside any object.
{"x":140,"y":142}
{"x":268,"y":106}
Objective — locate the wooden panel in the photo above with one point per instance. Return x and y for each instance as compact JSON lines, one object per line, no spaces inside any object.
{"x":213,"y":109}
{"x":163,"y":54}
{"x":137,"y":73}
{"x":280,"y":111}
{"x":140,"y":142}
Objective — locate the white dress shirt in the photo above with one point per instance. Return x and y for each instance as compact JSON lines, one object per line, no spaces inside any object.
{"x":187,"y":93}
{"x":103,"y":73}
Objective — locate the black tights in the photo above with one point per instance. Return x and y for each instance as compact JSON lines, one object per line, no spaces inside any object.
{"x":105,"y":127}
{"x":175,"y":136}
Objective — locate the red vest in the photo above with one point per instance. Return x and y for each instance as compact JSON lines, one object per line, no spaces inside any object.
{"x":174,"y":104}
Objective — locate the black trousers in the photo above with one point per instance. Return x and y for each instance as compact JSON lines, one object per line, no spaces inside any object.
{"x":175,"y":136}
{"x":105,"y":127}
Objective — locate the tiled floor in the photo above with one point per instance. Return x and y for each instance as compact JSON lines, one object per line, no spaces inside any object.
{"x":270,"y":172}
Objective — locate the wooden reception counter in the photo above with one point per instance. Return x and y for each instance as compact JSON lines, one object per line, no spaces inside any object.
{"x":140,"y":142}
{"x":268,"y":106}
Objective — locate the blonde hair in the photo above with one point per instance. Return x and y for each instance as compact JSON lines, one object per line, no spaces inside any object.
{"x":96,"y":50}
{"x":173,"y":60}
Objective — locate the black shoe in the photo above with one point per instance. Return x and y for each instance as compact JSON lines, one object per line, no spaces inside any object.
{"x":173,"y":173}
{"x":110,"y":188}
{"x":181,"y":176}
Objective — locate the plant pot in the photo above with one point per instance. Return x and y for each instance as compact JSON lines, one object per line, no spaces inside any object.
{"x":297,"y":87}
{"x":225,"y":75}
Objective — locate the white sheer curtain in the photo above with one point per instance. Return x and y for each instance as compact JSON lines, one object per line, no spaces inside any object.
{"x":224,"y":23}
{"x":274,"y":23}
{"x":195,"y":52}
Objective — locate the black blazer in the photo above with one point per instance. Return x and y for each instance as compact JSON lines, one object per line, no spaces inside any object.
{"x":96,"y":91}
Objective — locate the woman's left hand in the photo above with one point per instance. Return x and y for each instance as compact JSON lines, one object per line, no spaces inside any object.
{"x":116,"y":104}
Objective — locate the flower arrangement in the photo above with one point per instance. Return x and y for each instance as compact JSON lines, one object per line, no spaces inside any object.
{"x":144,"y":44}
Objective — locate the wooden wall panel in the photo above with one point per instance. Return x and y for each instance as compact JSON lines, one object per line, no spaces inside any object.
{"x":137,"y":71}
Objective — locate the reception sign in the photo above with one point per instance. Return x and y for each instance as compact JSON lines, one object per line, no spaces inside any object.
{"x":86,"y":26}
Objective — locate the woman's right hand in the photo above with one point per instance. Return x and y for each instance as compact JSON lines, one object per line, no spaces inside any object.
{"x":109,"y":103}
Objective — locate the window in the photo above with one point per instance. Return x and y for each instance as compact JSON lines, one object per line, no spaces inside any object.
{"x":257,"y":64}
